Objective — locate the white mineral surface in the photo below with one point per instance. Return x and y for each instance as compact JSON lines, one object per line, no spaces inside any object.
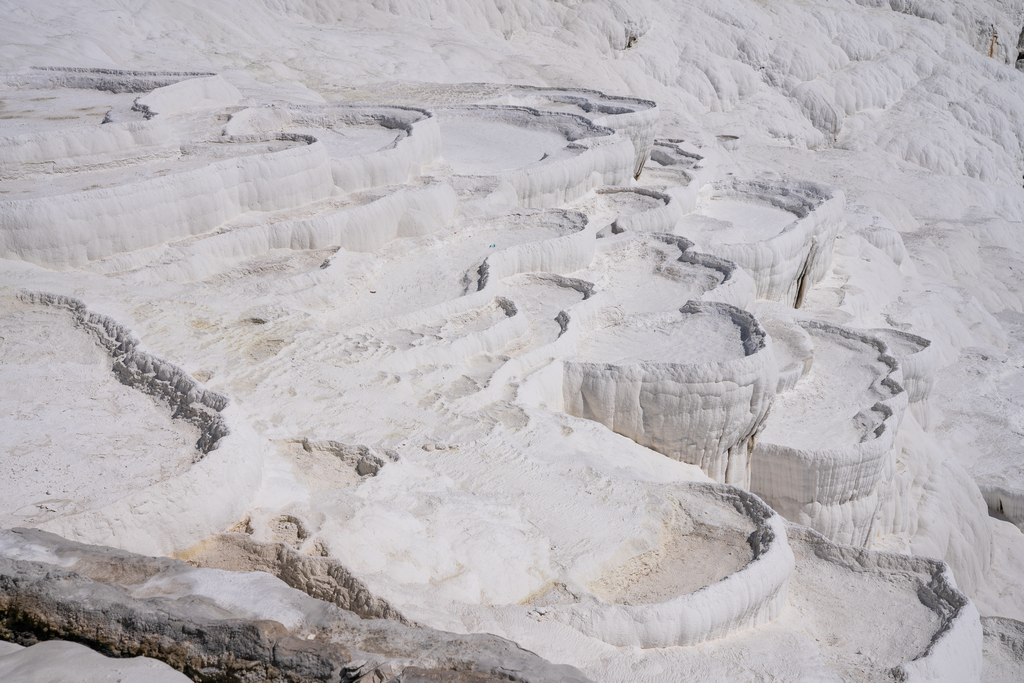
{"x":671,"y":341}
{"x":56,"y":660}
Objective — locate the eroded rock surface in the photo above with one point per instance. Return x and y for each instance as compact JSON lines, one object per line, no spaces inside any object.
{"x":128,"y":605}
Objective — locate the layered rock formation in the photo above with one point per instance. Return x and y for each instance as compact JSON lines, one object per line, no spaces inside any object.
{"x":391,"y":365}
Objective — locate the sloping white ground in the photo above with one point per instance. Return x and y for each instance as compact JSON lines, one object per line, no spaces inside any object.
{"x":53,"y":660}
{"x":923,"y":631}
{"x":124,"y":440}
{"x":911,"y":109}
{"x":1003,"y":651}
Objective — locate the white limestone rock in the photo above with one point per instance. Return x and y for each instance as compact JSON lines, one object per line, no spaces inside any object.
{"x":181,"y":507}
{"x":940,"y":635}
{"x":356,"y":227}
{"x":71,"y":230}
{"x":648,"y":378}
{"x":555,"y":159}
{"x":919,"y":361}
{"x":1004,"y":501}
{"x":1004,"y":650}
{"x":369,"y":146}
{"x":782,"y":233}
{"x":211,"y":92}
{"x":826,"y":452}
{"x":632,"y":117}
{"x":571,"y":251}
{"x":662,"y":217}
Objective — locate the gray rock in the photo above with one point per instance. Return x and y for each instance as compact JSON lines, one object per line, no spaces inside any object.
{"x":213,"y":625}
{"x":320,"y":577}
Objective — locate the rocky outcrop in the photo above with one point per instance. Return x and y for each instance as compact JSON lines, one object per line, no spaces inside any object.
{"x":129,"y":605}
{"x":320,"y":577}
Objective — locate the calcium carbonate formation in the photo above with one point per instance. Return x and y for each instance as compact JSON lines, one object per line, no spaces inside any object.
{"x":387,"y":365}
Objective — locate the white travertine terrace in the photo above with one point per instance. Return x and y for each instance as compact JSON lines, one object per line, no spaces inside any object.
{"x":632,"y":117}
{"x":1005,"y":501}
{"x":561,"y":156}
{"x":71,"y":230}
{"x":794,"y":350}
{"x":454,"y":330}
{"x":487,"y":329}
{"x":52,"y":366}
{"x":481,"y":283}
{"x":569,"y":250}
{"x":682,"y":168}
{"x":406,"y":212}
{"x":781,"y":232}
{"x":186,"y":398}
{"x":649,"y":272}
{"x":369,"y":146}
{"x":207,"y":490}
{"x":827,"y":449}
{"x":919,"y":361}
{"x":939,"y":634}
{"x":751,"y":595}
{"x":300,"y":175}
{"x":83,"y":146}
{"x":642,"y":273}
{"x":656,"y":379}
{"x":85,"y":78}
{"x":661,"y":217}
{"x":210,"y":92}
{"x":195,"y":201}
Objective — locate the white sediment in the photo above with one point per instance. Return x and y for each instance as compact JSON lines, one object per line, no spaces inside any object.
{"x":940,"y":634}
{"x":145,"y":515}
{"x":919,"y":361}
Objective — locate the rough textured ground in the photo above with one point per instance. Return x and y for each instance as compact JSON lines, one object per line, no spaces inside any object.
{"x":293,"y":287}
